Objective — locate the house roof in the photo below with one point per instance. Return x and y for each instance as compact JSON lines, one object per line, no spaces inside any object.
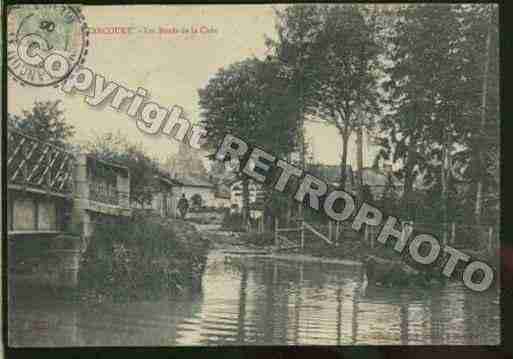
{"x":190,"y":181}
{"x":223,"y":191}
{"x":221,"y":194}
{"x":238,"y":184}
{"x":168,"y":180}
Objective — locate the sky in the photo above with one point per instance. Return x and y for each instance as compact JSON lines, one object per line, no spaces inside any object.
{"x":172,"y":67}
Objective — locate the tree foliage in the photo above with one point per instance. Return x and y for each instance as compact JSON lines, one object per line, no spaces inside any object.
{"x":330,"y":53}
{"x":251,"y":100}
{"x":434,"y":87}
{"x":46,"y":122}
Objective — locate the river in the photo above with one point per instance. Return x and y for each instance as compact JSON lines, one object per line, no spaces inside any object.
{"x":258,"y":300}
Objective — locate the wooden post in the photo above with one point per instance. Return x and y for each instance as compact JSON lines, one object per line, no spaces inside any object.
{"x":302,"y":235}
{"x":453,"y":233}
{"x":366,"y":235}
{"x":275,"y":273}
{"x":329,"y":230}
{"x":490,"y":240}
{"x":337,"y":233}
{"x":410,"y":223}
{"x":276,"y":231}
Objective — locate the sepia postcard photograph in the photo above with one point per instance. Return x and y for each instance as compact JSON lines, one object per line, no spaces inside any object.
{"x":249,"y":175}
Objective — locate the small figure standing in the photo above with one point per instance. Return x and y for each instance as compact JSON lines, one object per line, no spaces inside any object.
{"x":183,"y":206}
{"x":367,"y":194}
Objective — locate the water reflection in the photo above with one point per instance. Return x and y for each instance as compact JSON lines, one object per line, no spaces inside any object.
{"x":249,"y":300}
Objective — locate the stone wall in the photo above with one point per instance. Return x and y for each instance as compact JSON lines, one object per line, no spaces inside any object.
{"x":44,"y":260}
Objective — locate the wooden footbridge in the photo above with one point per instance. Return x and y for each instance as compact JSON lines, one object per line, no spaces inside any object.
{"x":37,"y":166}
{"x":48,"y":186}
{"x":52,"y":191}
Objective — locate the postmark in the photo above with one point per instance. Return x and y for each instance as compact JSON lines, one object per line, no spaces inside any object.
{"x":45,"y":43}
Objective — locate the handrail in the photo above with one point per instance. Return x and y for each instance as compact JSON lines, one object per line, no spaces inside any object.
{"x":32,"y":138}
{"x":318,"y":234}
{"x":288,"y":229}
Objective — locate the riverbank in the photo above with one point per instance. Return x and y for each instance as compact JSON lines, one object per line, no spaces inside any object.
{"x":235,"y":243}
{"x":145,"y":257}
{"x":382,"y":264}
{"x":262,"y":301}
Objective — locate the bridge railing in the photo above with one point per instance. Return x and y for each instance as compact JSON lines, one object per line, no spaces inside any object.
{"x":105,"y":193}
{"x":36,"y":165}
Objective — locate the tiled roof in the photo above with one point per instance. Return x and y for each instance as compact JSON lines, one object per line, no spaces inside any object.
{"x":168,"y":180}
{"x":194,"y":182}
{"x":223,"y":192}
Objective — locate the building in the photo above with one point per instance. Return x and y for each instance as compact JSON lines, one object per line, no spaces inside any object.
{"x":55,"y":200}
{"x":167,"y":191}
{"x":222,"y":196}
{"x":195,"y":187}
{"x":40,"y":186}
{"x":256,"y":194}
{"x":101,"y":192}
{"x":377,"y":178}
{"x":187,"y":162}
{"x":79,"y":190}
{"x":162,"y":192}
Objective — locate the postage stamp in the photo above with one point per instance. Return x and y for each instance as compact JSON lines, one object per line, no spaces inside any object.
{"x":45,"y":43}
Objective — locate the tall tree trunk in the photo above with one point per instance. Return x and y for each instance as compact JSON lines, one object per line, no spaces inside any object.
{"x":289,"y":203}
{"x":245,"y":202}
{"x":343,"y":163}
{"x":359,"y":159}
{"x":408,"y":182}
{"x":445,"y":184}
{"x":408,"y":172}
{"x":480,"y":155}
{"x":302,"y":154}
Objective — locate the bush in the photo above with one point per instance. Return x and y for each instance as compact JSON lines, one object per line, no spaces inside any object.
{"x":140,"y":258}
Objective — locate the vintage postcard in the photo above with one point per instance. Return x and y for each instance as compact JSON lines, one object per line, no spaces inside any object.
{"x":314,"y":174}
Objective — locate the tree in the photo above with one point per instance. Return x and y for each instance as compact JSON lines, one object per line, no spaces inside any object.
{"x":46,"y":122}
{"x":297,"y":27}
{"x":424,"y":78}
{"x":485,"y":141}
{"x":249,"y":100}
{"x":332,"y":54}
{"x":118,"y":149}
{"x":438,"y":55}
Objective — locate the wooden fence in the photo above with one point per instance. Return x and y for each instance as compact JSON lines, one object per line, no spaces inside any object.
{"x":457,"y":235}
